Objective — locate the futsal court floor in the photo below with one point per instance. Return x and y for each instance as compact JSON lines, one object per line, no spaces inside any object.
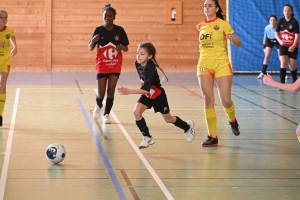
{"x":104,"y":162}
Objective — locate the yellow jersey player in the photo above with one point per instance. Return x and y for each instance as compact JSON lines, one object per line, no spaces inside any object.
{"x":7,"y":38}
{"x":214,"y":64}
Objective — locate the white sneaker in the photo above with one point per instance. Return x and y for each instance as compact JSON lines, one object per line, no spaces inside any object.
{"x":190,"y":134}
{"x":96,"y":112}
{"x":286,"y":77}
{"x":146,"y":142}
{"x":106,"y":119}
{"x":260,"y":76}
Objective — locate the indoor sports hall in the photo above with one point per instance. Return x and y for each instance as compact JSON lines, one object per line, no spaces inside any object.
{"x":51,"y":91}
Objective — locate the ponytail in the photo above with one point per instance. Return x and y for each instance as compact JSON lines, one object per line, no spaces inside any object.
{"x":153,"y":59}
{"x":220,"y":12}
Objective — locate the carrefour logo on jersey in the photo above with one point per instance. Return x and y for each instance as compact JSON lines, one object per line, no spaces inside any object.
{"x":110,"y":51}
{"x":206,"y":36}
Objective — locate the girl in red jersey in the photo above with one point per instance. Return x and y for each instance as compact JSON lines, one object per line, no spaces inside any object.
{"x":214,"y":65}
{"x":7,"y":38}
{"x":111,"y":40}
{"x":153,"y":95}
{"x":287,"y":34}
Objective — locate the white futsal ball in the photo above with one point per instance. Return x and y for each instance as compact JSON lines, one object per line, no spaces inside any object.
{"x":55,"y":153}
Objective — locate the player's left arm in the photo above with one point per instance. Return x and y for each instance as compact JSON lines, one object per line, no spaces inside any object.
{"x":293,"y":87}
{"x":124,"y":41}
{"x":295,"y":44}
{"x":296,"y":34}
{"x":120,"y":47}
{"x":14,"y":50}
{"x":127,"y":91}
{"x":232,"y":37}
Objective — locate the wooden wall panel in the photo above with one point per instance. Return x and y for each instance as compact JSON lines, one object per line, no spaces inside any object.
{"x":52,"y":35}
{"x":28,"y":19}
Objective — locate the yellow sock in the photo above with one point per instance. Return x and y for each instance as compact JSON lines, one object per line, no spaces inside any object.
{"x":2,"y":102}
{"x":211,"y":121}
{"x":230,"y":112}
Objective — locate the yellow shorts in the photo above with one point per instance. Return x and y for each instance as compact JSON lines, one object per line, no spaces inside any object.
{"x":4,"y":68}
{"x":214,"y":68}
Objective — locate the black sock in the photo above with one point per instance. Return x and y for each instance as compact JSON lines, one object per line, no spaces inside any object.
{"x":294,"y":75}
{"x":108,"y":105}
{"x":141,"y":124}
{"x":282,"y":75}
{"x":264,"y":69}
{"x":99,"y":102}
{"x":181,"y":124}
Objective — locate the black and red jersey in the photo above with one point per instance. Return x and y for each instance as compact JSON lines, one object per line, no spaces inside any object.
{"x":115,"y":36}
{"x":149,"y":79}
{"x":108,"y":59}
{"x":287,"y":30}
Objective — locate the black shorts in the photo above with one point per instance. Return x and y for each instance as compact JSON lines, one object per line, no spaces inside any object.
{"x":98,"y":76}
{"x":160,"y":104}
{"x":272,"y":42}
{"x":283,"y":50}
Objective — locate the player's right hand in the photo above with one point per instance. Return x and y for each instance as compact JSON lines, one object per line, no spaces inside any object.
{"x":123,"y":90}
{"x":96,"y":38}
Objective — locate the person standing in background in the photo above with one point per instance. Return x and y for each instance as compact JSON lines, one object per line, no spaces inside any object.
{"x":287,"y":34}
{"x":269,"y":42}
{"x":111,"y":40}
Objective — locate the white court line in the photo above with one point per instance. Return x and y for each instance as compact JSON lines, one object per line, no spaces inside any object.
{"x":141,"y":156}
{"x":8,"y":146}
{"x":217,"y":109}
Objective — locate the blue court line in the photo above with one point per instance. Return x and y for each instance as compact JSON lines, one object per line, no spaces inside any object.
{"x":265,"y":109}
{"x":253,"y":91}
{"x":103,"y":155}
{"x":262,"y":106}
